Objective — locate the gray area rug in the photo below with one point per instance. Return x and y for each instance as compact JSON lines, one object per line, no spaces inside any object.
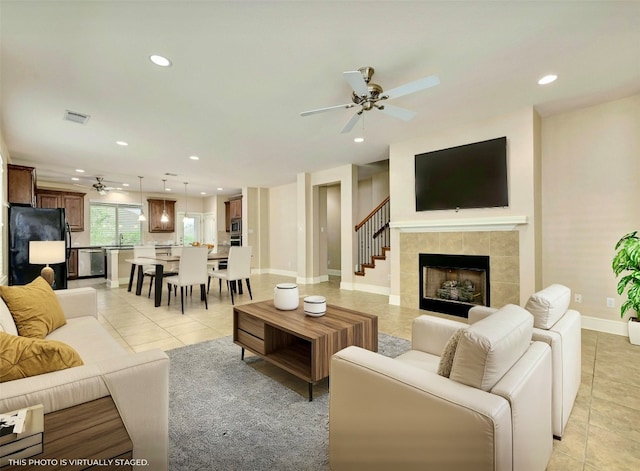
{"x":225,"y":415}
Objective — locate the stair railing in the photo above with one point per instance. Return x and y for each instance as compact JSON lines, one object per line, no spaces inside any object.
{"x":373,"y":235}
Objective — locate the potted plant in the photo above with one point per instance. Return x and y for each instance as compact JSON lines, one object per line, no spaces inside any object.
{"x":627,"y":261}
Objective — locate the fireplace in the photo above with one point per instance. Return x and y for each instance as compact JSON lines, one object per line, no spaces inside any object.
{"x":453,"y":284}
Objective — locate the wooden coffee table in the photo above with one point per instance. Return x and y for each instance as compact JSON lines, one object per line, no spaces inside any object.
{"x":301,"y":344}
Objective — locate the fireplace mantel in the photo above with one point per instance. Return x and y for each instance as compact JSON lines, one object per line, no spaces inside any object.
{"x":503,"y":223}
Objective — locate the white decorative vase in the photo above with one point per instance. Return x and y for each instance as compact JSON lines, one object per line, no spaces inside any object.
{"x":315,"y":306}
{"x":286,"y":297}
{"x":634,"y":331}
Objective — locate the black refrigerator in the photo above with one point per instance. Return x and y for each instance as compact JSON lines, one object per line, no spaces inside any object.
{"x":26,"y":224}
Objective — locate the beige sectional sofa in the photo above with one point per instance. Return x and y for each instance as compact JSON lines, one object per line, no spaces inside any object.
{"x":137,"y":382}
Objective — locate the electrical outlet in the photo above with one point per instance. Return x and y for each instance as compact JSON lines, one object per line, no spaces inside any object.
{"x":611,"y":302}
{"x":577,"y":298}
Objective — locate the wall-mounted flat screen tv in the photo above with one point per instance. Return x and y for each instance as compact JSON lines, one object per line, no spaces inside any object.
{"x":468,"y":176}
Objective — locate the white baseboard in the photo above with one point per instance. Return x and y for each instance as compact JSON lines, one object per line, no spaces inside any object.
{"x":374,"y":289}
{"x":274,"y":271}
{"x":605,"y":325}
{"x":394,"y":300}
{"x":335,"y":272}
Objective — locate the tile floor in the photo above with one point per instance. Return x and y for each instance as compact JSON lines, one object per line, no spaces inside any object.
{"x":603,"y":433}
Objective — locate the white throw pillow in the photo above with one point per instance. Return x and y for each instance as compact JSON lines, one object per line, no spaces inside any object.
{"x":549,"y":305}
{"x":490,"y":347}
{"x":7,"y":324}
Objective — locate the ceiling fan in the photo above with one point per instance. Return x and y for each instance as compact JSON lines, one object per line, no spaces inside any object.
{"x":100,"y":187}
{"x":369,"y":95}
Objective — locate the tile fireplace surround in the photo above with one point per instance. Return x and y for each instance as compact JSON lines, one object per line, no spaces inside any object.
{"x":502,"y":247}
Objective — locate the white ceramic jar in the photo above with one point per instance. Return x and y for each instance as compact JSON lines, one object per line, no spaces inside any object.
{"x":286,"y":297}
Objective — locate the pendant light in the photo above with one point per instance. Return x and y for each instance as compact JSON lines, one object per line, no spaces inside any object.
{"x":186,"y":201}
{"x":165,"y":216}
{"x":141,"y":217}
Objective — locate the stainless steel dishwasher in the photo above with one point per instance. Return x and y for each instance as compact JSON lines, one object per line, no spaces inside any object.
{"x":90,"y":262}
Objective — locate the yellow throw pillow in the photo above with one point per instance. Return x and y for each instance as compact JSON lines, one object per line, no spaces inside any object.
{"x":35,"y":308}
{"x":23,"y":357}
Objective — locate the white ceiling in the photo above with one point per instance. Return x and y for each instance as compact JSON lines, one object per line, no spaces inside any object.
{"x":243,"y":71}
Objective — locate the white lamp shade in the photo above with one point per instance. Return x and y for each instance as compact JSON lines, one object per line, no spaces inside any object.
{"x":44,"y":252}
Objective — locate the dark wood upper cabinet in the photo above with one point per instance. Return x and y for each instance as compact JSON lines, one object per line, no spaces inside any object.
{"x":232,"y":210}
{"x":156,"y":206}
{"x":21,"y":184}
{"x":72,"y":202}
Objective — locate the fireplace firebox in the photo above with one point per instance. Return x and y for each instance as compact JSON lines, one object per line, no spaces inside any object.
{"x":453,"y":284}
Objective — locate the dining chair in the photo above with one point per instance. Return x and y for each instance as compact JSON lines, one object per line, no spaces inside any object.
{"x":149,"y":251}
{"x":238,"y":269}
{"x":192,"y":270}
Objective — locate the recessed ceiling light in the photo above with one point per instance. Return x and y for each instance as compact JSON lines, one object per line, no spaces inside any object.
{"x":125,"y":184}
{"x":75,"y":179}
{"x":359,"y":139}
{"x":547,"y":79}
{"x":203,"y":193}
{"x":118,"y":188}
{"x":122,"y":143}
{"x":168,"y":189}
{"x":194,"y":157}
{"x":219,"y":189}
{"x":79,"y":170}
{"x":160,"y":60}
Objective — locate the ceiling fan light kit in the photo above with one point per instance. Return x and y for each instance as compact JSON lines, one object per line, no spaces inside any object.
{"x":367,"y":95}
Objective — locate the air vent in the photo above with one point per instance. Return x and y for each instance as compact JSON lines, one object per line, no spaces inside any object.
{"x":76,"y":117}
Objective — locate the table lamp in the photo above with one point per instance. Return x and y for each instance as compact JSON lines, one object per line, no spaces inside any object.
{"x":46,"y":252}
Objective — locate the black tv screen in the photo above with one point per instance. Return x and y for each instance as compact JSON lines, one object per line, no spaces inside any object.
{"x":468,"y":176}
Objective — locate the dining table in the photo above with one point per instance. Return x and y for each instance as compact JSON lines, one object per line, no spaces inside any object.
{"x":159,"y":261}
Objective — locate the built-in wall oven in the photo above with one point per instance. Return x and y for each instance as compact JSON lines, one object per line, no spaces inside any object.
{"x":235,"y":226}
{"x":235,"y":239}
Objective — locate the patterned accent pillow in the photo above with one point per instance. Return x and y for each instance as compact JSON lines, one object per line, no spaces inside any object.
{"x":448,"y":353}
{"x":23,"y":357}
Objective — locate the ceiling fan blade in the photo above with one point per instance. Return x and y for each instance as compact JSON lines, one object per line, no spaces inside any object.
{"x":351,"y":123}
{"x":329,"y":108}
{"x":354,"y":78}
{"x":398,"y":112}
{"x":412,"y":87}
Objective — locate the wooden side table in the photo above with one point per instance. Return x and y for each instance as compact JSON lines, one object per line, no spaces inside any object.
{"x":83,"y":437}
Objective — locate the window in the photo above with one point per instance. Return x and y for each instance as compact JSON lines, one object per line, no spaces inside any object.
{"x":189,"y":230}
{"x":115,"y":224}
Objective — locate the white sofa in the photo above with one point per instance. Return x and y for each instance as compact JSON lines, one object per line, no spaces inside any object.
{"x":560,"y":327}
{"x":137,"y":382}
{"x":492,"y":413}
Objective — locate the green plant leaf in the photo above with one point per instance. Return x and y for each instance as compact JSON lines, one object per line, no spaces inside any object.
{"x":625,"y":307}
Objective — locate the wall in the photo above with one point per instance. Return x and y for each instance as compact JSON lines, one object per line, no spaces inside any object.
{"x":590,"y":198}
{"x":371,"y":192}
{"x":522,"y":130}
{"x":283,"y":229}
{"x":334,"y":259}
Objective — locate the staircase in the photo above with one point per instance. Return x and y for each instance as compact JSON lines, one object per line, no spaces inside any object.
{"x":373,"y":237}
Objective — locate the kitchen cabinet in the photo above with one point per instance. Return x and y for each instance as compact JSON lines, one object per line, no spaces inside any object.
{"x":156,"y":206}
{"x":72,"y":265}
{"x":21,"y":184}
{"x":235,"y":208}
{"x":72,"y":202}
{"x":232,"y":210}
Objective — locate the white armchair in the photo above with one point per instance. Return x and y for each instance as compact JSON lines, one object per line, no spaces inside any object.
{"x":558,"y":326}
{"x":492,"y":413}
